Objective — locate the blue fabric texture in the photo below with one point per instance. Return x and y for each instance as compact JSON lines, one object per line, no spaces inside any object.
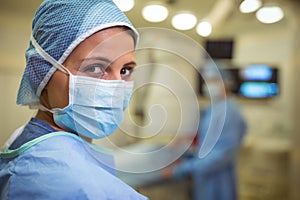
{"x":58,"y":27}
{"x":30,"y":133}
{"x":214,"y":176}
{"x":61,"y":167}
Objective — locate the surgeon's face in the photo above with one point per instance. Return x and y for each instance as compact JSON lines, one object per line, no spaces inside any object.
{"x":107,"y":54}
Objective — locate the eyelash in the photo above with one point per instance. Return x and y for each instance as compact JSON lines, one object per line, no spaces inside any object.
{"x":94,"y":66}
{"x":129,"y":68}
{"x":92,"y":69}
{"x":99,"y":71}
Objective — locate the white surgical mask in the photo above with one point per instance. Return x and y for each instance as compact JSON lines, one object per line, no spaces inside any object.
{"x":95,"y":107}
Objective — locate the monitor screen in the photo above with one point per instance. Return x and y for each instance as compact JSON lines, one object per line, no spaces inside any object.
{"x":253,"y":81}
{"x":258,"y":90}
{"x":256,"y":73}
{"x":219,"y":49}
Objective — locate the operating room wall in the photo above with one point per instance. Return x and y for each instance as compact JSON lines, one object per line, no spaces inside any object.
{"x":271,"y":117}
{"x":12,"y":116}
{"x":14,"y":34}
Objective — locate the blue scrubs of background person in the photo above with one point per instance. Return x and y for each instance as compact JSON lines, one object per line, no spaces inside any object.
{"x":214,"y":175}
{"x":78,"y":75}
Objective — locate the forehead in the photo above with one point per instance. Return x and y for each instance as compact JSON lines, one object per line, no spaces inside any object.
{"x":112,"y":40}
{"x":110,"y":43}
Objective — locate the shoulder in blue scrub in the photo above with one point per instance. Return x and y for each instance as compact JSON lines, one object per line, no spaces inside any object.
{"x":59,"y":165}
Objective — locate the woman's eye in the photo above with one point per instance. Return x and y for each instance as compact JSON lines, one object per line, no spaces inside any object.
{"x":94,"y":70}
{"x":126,"y":71}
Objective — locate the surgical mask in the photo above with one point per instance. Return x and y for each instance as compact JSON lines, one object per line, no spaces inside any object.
{"x":96,"y":106}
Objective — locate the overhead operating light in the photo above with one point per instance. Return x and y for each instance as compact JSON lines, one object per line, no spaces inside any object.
{"x":124,"y":5}
{"x":184,"y":21}
{"x":269,"y":14}
{"x":204,"y":28}
{"x":155,"y":13}
{"x":248,"y":6}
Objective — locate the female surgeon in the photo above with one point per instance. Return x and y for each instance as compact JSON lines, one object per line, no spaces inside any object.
{"x":78,"y":75}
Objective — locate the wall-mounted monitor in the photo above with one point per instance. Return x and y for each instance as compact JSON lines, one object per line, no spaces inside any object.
{"x":219,"y":49}
{"x":259,"y":81}
{"x":256,"y":81}
{"x":257,"y":72}
{"x":258,"y":90}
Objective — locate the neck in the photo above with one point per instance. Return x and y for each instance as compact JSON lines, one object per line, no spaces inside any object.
{"x":47,"y":117}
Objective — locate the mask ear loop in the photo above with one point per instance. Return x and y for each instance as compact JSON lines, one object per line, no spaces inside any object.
{"x":47,"y":57}
{"x":43,"y":108}
{"x":51,"y":60}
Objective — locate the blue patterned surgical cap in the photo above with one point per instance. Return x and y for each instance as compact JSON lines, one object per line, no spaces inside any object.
{"x":58,"y":27}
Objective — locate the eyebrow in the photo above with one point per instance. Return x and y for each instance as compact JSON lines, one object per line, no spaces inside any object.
{"x":106,"y":60}
{"x":97,"y":58}
{"x":131,"y":63}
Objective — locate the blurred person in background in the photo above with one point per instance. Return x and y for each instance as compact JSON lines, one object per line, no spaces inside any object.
{"x":78,"y":75}
{"x":214,"y":175}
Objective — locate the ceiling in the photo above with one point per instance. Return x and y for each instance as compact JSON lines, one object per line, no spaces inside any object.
{"x":225,"y":13}
{"x":16,"y":17}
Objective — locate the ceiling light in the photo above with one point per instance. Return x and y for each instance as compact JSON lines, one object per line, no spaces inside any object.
{"x":248,"y":6}
{"x":155,"y":13}
{"x":184,"y":21}
{"x":124,"y":5}
{"x":270,"y":14}
{"x":204,"y":28}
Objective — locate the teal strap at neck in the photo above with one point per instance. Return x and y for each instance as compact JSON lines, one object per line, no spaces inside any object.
{"x":7,"y":153}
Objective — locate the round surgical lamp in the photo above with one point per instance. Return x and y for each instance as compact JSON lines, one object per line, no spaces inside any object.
{"x":248,"y":6}
{"x":184,"y":21}
{"x":269,"y":14}
{"x":204,"y":29}
{"x":124,"y":5}
{"x":155,"y":13}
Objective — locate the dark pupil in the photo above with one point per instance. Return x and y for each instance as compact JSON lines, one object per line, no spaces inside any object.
{"x":123,"y":71}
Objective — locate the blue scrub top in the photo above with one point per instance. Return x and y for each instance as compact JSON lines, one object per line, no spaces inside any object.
{"x":214,"y":176}
{"x":58,"y":165}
